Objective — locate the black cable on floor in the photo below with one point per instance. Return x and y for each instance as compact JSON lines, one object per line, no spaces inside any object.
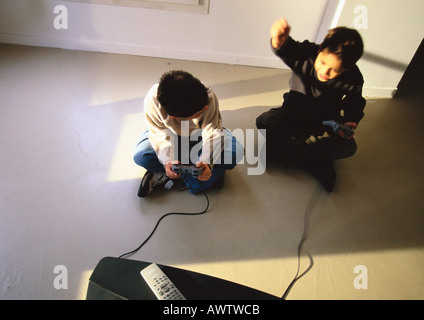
{"x":167,"y":215}
{"x":308,"y":211}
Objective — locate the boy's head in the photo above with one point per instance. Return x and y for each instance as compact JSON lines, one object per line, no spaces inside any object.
{"x":340,"y":50}
{"x":182,"y":95}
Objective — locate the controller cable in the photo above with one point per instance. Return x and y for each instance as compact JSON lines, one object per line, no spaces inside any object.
{"x":307,"y":216}
{"x":167,"y":215}
{"x":308,"y":211}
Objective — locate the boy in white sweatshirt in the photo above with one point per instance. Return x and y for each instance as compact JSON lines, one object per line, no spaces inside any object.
{"x":184,"y":127}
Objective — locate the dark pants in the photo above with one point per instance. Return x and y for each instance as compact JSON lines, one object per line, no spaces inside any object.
{"x":290,"y":126}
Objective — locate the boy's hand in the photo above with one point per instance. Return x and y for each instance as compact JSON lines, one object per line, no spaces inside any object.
{"x":350,"y":125}
{"x":280,"y":31}
{"x":206,"y":174}
{"x":168,"y":169}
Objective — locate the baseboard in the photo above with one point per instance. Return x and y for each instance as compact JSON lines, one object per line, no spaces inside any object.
{"x":139,"y":50}
{"x":168,"y":53}
{"x":372,"y":92}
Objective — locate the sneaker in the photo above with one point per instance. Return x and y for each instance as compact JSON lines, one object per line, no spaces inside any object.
{"x":152,"y":180}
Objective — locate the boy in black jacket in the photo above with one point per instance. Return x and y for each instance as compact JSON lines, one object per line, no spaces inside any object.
{"x":316,"y":122}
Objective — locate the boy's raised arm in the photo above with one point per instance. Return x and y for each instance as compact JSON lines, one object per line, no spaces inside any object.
{"x":280,"y":31}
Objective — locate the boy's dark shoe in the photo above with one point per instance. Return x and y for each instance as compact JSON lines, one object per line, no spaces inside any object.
{"x":323,"y":170}
{"x":152,"y":180}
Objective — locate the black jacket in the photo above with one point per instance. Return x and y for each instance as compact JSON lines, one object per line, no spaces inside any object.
{"x":338,"y":99}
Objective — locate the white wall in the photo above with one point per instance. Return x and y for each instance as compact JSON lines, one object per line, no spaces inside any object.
{"x":234,"y":31}
{"x":394,"y":33}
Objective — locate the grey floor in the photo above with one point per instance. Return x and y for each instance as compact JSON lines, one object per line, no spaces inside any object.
{"x":69,"y":121}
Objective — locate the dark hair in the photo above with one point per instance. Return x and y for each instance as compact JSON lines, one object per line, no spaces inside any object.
{"x":181,"y":94}
{"x":346,"y":44}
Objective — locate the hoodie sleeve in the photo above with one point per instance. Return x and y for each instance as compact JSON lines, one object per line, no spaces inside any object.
{"x":160,"y":136}
{"x":294,"y":53}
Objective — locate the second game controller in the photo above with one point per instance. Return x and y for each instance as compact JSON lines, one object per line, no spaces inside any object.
{"x":348,"y":131}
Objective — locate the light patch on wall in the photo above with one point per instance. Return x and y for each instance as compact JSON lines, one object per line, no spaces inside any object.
{"x":338,"y":13}
{"x":83,"y":286}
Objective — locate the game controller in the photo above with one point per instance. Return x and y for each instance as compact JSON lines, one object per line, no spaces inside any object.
{"x":348,"y":131}
{"x":192,"y":170}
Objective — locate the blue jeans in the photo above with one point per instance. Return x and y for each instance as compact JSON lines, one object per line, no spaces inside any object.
{"x":145,"y":156}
